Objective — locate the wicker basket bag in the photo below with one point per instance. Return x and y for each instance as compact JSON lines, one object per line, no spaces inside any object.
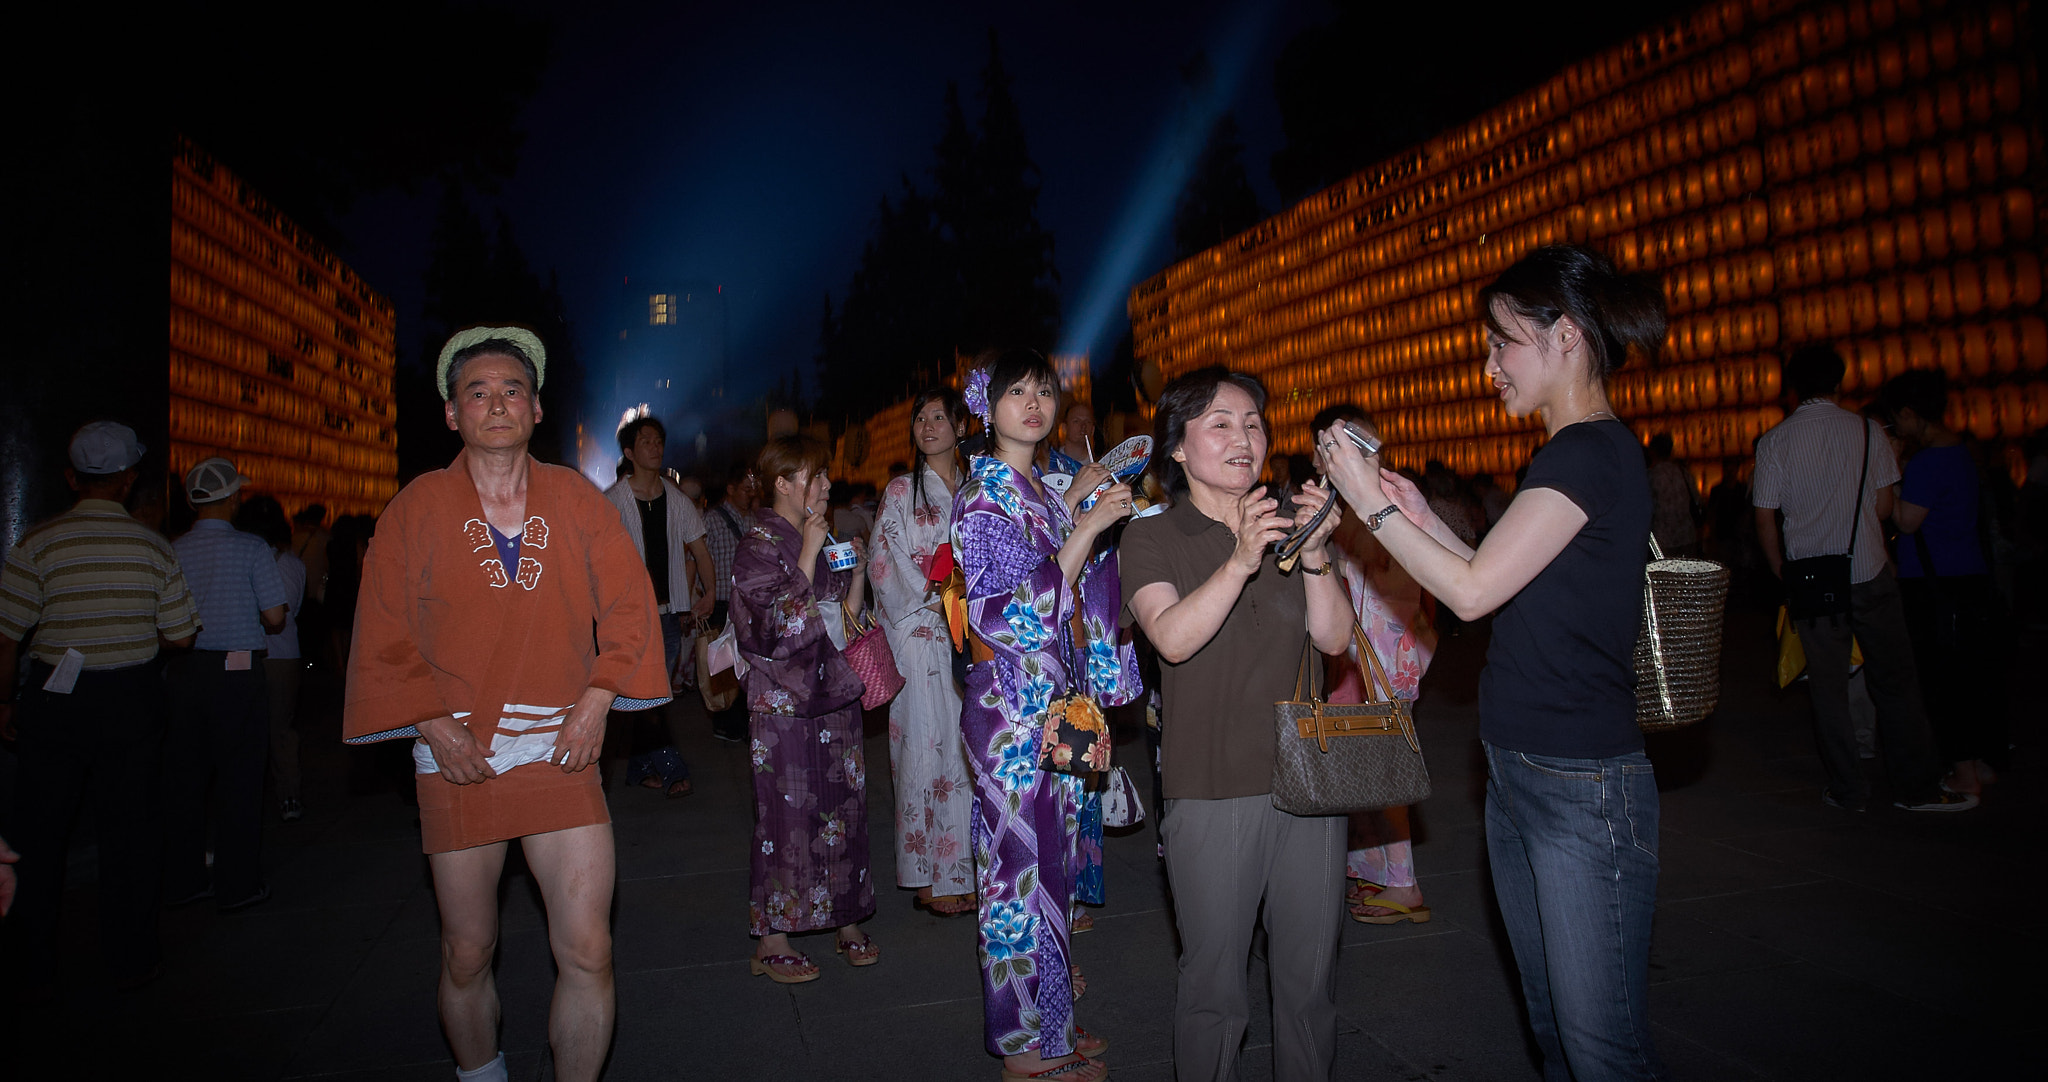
{"x":1678,"y":652}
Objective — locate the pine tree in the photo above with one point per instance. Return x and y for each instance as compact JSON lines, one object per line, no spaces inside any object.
{"x":1218,"y":201}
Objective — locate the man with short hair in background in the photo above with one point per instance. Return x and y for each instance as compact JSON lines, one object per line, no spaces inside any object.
{"x":220,"y":700}
{"x":668,"y":533}
{"x":101,"y":592}
{"x":723,"y":528}
{"x":1810,"y":467}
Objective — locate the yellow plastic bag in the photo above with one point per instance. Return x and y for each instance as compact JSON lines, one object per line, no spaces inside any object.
{"x":1792,"y":656}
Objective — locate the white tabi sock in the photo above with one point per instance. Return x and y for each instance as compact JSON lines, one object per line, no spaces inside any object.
{"x":493,"y":1071}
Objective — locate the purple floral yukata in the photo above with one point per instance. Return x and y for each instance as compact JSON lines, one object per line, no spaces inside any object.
{"x":810,"y":855}
{"x":1007,"y":536}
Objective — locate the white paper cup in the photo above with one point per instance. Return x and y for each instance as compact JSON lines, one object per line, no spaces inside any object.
{"x":841,"y":557}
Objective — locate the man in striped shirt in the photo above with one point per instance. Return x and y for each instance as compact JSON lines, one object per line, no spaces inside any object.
{"x":101,"y":592}
{"x":1810,"y":467}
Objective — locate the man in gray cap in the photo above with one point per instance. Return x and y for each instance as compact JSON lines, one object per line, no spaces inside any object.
{"x":100,"y":592}
{"x":220,"y":703}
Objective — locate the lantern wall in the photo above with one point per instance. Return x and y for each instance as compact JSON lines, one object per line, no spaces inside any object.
{"x":281,"y":358}
{"x":1863,"y":173}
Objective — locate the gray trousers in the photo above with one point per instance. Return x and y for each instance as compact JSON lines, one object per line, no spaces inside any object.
{"x":1879,"y":625}
{"x":1223,"y":858}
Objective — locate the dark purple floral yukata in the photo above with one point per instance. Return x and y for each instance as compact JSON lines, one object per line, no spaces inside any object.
{"x":1007,"y":537}
{"x":810,"y":855}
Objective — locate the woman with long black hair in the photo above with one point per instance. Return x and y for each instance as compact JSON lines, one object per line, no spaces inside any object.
{"x":1571,"y":799}
{"x":934,"y":795}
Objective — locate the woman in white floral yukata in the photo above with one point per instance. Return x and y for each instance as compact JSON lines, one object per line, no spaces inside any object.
{"x":1379,"y":859}
{"x":810,"y":855}
{"x":934,"y":796}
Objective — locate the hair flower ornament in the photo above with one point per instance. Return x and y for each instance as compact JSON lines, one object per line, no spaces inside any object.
{"x":976,"y":393}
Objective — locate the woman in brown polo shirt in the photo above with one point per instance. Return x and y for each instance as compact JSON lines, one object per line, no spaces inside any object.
{"x":1230,"y":630}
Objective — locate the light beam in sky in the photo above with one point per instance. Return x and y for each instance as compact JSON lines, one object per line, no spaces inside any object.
{"x":1150,"y":208}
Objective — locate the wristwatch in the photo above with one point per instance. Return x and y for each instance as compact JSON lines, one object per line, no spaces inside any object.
{"x":1372,"y":521}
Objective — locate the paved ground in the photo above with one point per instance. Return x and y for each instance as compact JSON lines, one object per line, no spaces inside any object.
{"x":1793,"y":941}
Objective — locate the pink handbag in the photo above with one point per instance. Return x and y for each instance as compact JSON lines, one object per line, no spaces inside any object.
{"x":867,"y":650}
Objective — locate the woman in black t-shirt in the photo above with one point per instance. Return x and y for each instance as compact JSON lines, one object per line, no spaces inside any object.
{"x":1571,"y":801}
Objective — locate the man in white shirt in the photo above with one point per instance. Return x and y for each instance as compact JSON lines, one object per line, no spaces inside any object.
{"x":664,"y":524}
{"x":1811,"y":467}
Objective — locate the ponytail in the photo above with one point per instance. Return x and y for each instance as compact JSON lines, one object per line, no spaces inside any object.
{"x":1619,"y":314}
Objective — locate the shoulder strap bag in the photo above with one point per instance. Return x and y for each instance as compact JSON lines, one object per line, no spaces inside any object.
{"x":1818,"y":586}
{"x":1333,"y":759}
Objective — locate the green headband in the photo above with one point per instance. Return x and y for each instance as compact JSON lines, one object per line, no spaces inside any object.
{"x":469,"y":336}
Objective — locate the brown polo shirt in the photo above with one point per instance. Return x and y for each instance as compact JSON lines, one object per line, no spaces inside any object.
{"x":1216,"y":729}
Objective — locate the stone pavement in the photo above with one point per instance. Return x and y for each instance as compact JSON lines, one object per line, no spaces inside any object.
{"x":1793,"y":941}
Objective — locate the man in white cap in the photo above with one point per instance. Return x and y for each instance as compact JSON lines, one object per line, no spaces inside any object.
{"x":503,"y":612}
{"x":100,"y":592}
{"x":220,"y":702}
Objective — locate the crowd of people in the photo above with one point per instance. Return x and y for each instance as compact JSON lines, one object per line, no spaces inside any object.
{"x":520,"y":631}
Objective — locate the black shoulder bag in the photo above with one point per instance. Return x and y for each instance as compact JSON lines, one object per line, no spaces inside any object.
{"x":1818,"y":586}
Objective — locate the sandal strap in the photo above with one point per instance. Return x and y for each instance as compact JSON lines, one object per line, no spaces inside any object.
{"x":783,"y":960}
{"x":1376,"y":903}
{"x":1064,"y":1069}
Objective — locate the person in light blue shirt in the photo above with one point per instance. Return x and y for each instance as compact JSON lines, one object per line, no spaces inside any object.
{"x":283,"y":670}
{"x":219,"y":735}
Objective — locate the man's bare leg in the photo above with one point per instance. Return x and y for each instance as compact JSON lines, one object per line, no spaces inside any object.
{"x":466,"y":889}
{"x":576,"y":869}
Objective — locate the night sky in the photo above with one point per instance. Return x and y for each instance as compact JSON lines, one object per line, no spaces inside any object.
{"x":747,"y":145}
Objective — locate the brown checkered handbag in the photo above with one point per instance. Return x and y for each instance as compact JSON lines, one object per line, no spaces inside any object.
{"x":1333,"y":759}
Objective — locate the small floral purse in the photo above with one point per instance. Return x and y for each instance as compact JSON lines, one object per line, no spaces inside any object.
{"x":1076,"y":738}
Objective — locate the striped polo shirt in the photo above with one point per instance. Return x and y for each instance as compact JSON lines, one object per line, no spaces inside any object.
{"x":234,"y":578}
{"x":95,"y":580}
{"x":1806,"y":467}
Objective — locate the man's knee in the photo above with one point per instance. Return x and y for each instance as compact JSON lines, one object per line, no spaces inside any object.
{"x":585,"y":949}
{"x":467,"y":959}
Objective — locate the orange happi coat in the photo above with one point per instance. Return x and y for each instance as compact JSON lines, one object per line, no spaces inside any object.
{"x":444,"y":628}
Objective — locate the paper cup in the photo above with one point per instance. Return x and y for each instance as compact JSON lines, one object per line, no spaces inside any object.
{"x":841,"y":557}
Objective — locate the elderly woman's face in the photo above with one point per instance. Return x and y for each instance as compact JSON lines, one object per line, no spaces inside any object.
{"x":1225,"y":447}
{"x":494,"y":407}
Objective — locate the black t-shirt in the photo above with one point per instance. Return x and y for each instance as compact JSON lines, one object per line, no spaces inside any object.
{"x":1560,"y":676}
{"x":654,"y":533}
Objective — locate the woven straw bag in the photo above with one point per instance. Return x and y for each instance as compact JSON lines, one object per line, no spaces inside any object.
{"x":1332,"y":759}
{"x":867,"y":651}
{"x":1678,"y":651}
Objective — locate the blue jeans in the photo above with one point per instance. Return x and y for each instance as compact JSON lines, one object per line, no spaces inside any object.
{"x":1573,"y":848}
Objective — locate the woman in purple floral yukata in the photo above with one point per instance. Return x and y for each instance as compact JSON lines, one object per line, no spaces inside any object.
{"x":1030,"y":562}
{"x":810,"y":856}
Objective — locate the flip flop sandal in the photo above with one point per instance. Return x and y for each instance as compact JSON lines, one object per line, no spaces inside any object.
{"x":1083,"y":923}
{"x":859,"y":952}
{"x":1418,"y":915}
{"x":964,"y":902}
{"x":1087,"y":1045}
{"x":1075,"y":1070}
{"x":1361,"y":890}
{"x":762,"y":967}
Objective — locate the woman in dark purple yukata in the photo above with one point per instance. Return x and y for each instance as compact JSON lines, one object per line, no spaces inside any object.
{"x":810,"y":855}
{"x":1030,"y":562}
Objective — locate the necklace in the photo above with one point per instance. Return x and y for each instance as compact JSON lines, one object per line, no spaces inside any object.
{"x":1594,"y":414}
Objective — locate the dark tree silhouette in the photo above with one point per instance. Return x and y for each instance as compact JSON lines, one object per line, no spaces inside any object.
{"x":1218,"y":201}
{"x":964,"y":266}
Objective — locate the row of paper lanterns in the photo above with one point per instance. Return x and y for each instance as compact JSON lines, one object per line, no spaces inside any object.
{"x":200,"y":212}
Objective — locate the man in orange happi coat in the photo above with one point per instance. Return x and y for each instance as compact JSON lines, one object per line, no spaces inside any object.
{"x":503,"y":611}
